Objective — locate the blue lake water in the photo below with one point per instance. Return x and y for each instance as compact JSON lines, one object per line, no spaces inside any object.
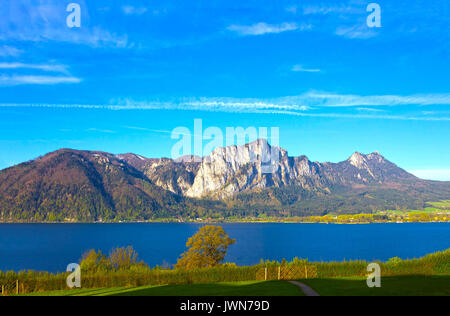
{"x":51,"y":247}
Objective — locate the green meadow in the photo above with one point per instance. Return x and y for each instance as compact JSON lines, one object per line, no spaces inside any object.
{"x":413,"y":285}
{"x":251,"y":288}
{"x":344,"y":286}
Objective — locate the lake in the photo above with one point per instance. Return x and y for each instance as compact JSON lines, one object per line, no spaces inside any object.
{"x":51,"y":247}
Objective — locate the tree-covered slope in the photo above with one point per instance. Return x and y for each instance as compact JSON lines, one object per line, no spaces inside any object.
{"x":80,"y":186}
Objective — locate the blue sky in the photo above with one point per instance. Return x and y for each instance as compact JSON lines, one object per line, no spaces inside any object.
{"x":136,"y":70}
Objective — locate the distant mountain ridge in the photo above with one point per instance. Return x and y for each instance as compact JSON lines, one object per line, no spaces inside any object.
{"x":74,"y":185}
{"x":231,"y":170}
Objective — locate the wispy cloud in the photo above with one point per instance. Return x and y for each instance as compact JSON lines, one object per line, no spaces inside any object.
{"x":361,"y":116}
{"x":9,"y":51}
{"x":130,"y":10}
{"x":325,"y":99}
{"x":6,"y":80}
{"x":300,"y":68}
{"x":264,"y":28}
{"x":232,"y":109}
{"x":44,"y":67}
{"x":45,"y":20}
{"x":356,"y":32}
{"x":347,"y":20}
{"x":98,"y":130}
{"x":327,"y":9}
{"x":36,"y":79}
{"x":311,"y":104}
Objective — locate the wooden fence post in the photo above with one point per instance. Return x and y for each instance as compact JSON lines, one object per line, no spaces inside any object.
{"x":265,"y":274}
{"x":279,"y":273}
{"x":306,"y":272}
{"x":17,"y":287}
{"x":3,"y":290}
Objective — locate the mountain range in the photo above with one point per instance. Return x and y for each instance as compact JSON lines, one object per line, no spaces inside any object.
{"x":72,"y":185}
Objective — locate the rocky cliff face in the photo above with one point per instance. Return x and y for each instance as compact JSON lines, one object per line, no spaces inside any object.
{"x":258,"y":165}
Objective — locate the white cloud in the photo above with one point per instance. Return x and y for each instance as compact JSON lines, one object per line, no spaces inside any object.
{"x":95,"y":37}
{"x":130,"y":10}
{"x":312,"y":104}
{"x":44,"y":67}
{"x":27,"y":79}
{"x":300,"y":111}
{"x":264,"y":28}
{"x":356,"y":32}
{"x":360,"y":116}
{"x":300,"y":68}
{"x":432,"y":174}
{"x":45,"y":20}
{"x":323,"y":9}
{"x":6,"y":80}
{"x":325,"y":99}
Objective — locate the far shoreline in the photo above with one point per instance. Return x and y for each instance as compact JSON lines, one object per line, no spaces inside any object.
{"x":218,"y":222}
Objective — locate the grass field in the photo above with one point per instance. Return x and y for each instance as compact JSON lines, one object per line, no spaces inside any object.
{"x":390,"y":286}
{"x":254,"y":288}
{"x":351,"y":286}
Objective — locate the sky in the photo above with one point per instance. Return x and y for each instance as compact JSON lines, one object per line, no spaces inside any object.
{"x":136,"y":70}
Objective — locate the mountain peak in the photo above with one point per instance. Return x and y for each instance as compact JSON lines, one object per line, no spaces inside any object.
{"x":360,"y":160}
{"x":376,"y":156}
{"x":357,"y":154}
{"x":260,"y":141}
{"x":357,"y":159}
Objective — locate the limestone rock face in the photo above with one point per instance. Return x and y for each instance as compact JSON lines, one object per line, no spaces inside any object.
{"x":228,"y":171}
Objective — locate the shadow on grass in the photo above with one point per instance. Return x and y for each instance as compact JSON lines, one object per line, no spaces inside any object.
{"x":390,"y":286}
{"x":99,"y":292}
{"x":271,"y":288}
